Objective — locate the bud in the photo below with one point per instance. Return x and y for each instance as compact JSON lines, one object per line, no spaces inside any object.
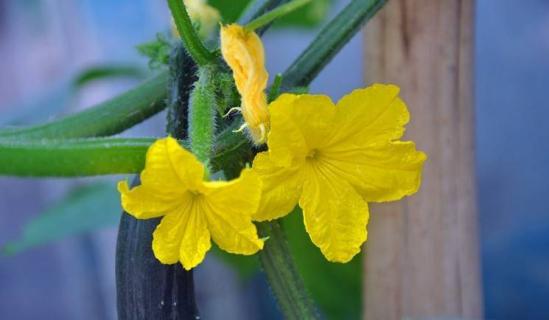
{"x":243,"y":52}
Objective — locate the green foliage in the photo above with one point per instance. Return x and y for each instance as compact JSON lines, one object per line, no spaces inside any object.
{"x":158,"y":51}
{"x":84,"y":209}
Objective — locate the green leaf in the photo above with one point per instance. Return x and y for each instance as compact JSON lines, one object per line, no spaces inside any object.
{"x":335,"y":287}
{"x":158,"y":51}
{"x":84,"y":209}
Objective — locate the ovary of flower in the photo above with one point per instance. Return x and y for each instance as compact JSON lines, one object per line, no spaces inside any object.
{"x":243,"y":52}
{"x":193,"y":210}
{"x":333,"y":159}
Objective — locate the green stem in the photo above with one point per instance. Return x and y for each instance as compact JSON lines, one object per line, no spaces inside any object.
{"x":200,"y":54}
{"x":278,"y":12}
{"x":329,"y":42}
{"x":102,"y":156}
{"x":72,"y":158}
{"x":110,"y":117}
{"x":283,"y":276}
{"x":267,"y":6}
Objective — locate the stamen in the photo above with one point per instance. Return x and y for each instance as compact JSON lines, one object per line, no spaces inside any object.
{"x":242,"y":127}
{"x":232,"y":110}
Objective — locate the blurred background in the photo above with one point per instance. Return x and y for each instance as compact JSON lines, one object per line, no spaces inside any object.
{"x":57,"y":57}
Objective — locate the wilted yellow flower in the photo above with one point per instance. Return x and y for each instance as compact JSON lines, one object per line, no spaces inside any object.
{"x":332,"y":160}
{"x":193,"y":210}
{"x":243,"y":52}
{"x":205,"y":15}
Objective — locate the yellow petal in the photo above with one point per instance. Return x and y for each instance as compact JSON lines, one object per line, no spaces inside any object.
{"x":370,"y":115}
{"x":285,"y":139}
{"x":281,"y":188}
{"x":183,"y":236}
{"x":229,"y":207}
{"x":169,"y":168}
{"x":383,"y":172}
{"x":335,"y":215}
{"x":143,"y":203}
{"x":243,"y":52}
{"x":300,"y":123}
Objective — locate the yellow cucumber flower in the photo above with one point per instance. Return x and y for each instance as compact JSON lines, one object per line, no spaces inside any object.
{"x":333,"y":159}
{"x":243,"y":52}
{"x":193,"y":210}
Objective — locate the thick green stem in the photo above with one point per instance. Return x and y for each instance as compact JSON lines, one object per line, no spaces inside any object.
{"x":200,"y":54}
{"x":72,"y":158}
{"x":105,"y":119}
{"x":329,"y":41}
{"x":202,"y":109}
{"x":102,"y":156}
{"x":283,"y":275}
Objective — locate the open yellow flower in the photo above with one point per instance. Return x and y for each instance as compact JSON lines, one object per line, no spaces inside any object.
{"x":332,"y":160}
{"x":193,"y":210}
{"x":243,"y":52}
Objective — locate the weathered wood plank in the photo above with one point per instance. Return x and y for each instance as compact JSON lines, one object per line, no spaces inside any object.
{"x":422,"y":253}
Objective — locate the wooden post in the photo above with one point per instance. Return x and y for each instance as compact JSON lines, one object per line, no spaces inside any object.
{"x":422,"y":256}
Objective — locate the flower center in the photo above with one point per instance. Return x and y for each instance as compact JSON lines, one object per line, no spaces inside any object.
{"x":313,"y":154}
{"x":195,"y":193}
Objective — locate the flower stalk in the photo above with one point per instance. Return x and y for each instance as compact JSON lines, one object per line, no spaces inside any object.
{"x":200,"y":54}
{"x":283,"y":276}
{"x":278,"y":12}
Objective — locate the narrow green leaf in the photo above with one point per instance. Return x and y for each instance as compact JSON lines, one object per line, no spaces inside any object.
{"x":83,"y":210}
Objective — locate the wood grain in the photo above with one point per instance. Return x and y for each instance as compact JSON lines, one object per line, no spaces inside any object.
{"x":422,"y":255}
